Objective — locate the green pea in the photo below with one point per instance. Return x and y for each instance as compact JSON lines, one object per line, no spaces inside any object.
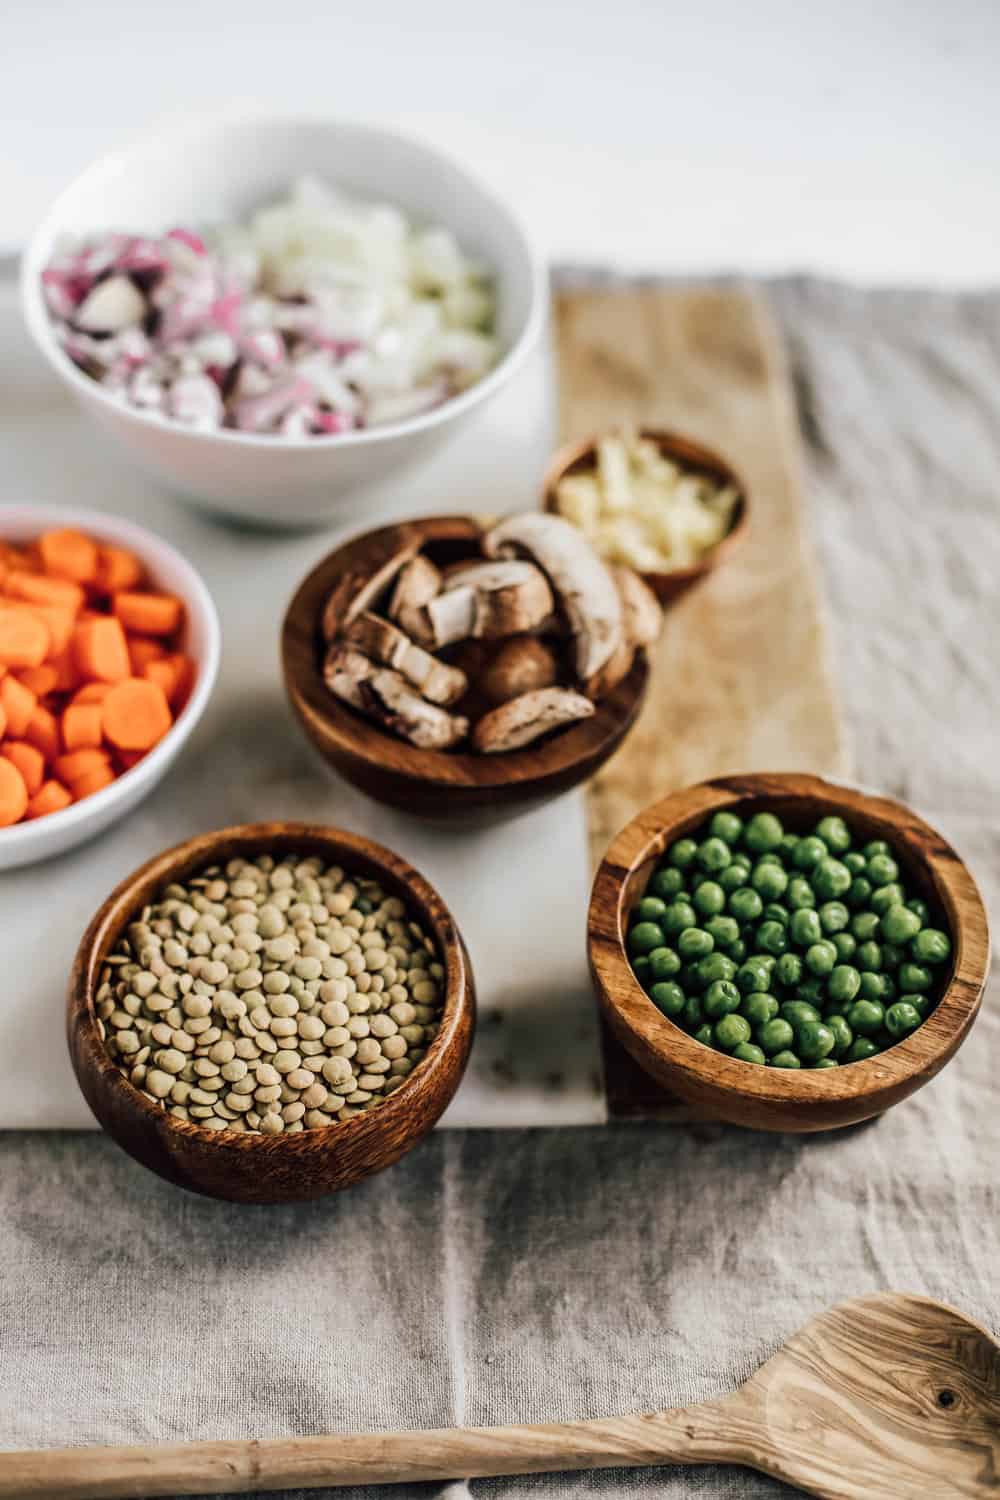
{"x":745,"y":904}
{"x":882,"y":869}
{"x":642,"y":969}
{"x":860,"y":1049}
{"x":834,"y":916}
{"x":753,"y":977}
{"x":769,"y":881}
{"x":704,"y":1035}
{"x":725,"y":930}
{"x":767,"y":961}
{"x":821,"y":958}
{"x":855,"y":862}
{"x":864,"y":925}
{"x":899,"y":924}
{"x":737,"y":951}
{"x":892,"y":956}
{"x":843,"y":984}
{"x":843,"y":1036}
{"x":868,"y":957}
{"x":726,"y":826}
{"x":692,"y":1016}
{"x":885,"y":897}
{"x":773,"y":938}
{"x":826,"y":1062}
{"x":872,"y":986}
{"x":798,"y":1012}
{"x":808,"y":853}
{"x":775,"y":912}
{"x":805,"y":927}
{"x":683,"y":854}
{"x":889,"y":989}
{"x":931,"y":946}
{"x":664,"y":963}
{"x":732,"y":1031}
{"x":858,"y":893}
{"x":747,"y":1052}
{"x":644,"y":937}
{"x":789,"y":969}
{"x":758,"y":1008}
{"x":831,"y":879}
{"x":669,"y":998}
{"x":915,"y":977}
{"x":709,"y":899}
{"x":811,"y":990}
{"x":775,"y":1035}
{"x":835,"y":834}
{"x":845,"y":945}
{"x":714,"y":855}
{"x":866,"y":1017}
{"x":694,"y":943}
{"x":721,"y":999}
{"x":788,"y":845}
{"x":876,"y":846}
{"x":922,"y":1004}
{"x":772,"y":857}
{"x":763,"y":833}
{"x":799,"y":893}
{"x":667,"y":883}
{"x":815,"y":1040}
{"x":731,"y":878}
{"x":901,"y":1019}
{"x":785,"y":1060}
{"x":650,"y":909}
{"x":921,"y":909}
{"x":679,"y":914}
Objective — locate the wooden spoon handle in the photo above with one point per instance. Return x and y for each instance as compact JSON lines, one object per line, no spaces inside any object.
{"x":693,"y":1434}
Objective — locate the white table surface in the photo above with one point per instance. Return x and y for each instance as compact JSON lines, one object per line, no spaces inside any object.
{"x":518,"y":892}
{"x":857,"y":139}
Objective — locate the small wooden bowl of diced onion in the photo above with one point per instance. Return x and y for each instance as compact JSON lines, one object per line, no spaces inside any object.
{"x":660,"y":503}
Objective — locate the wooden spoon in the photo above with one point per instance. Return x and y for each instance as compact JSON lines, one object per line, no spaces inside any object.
{"x":890,"y":1397}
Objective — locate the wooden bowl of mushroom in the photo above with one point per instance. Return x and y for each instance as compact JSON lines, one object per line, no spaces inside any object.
{"x":464,"y":671}
{"x":271,"y":1012}
{"x":651,"y":500}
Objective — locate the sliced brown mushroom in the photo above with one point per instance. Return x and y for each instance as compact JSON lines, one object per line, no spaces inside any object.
{"x":526,"y":718}
{"x":582,"y":582}
{"x":385,"y":696}
{"x":642,"y":612}
{"x":488,"y":600}
{"x":386,"y":643}
{"x":522,"y":664}
{"x":344,"y":670}
{"x":417,"y":584}
{"x":359,"y":590}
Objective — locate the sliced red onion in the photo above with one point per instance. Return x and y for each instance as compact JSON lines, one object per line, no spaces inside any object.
{"x":195,"y":400}
{"x":258,"y":413}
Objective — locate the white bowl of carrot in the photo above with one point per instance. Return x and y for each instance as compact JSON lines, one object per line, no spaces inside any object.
{"x":109,"y":649}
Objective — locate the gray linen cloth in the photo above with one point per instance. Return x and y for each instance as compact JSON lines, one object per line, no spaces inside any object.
{"x":555,"y":1274}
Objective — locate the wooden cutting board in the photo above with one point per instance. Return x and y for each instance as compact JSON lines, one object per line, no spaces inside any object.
{"x":742,"y":678}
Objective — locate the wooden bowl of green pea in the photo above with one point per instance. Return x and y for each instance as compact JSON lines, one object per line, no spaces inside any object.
{"x":784,"y":952}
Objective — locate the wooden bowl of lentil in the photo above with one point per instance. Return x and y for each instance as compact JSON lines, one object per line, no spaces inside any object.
{"x":439,"y":785}
{"x":671,"y":584}
{"x":250,"y":1167}
{"x":767,"y":1098}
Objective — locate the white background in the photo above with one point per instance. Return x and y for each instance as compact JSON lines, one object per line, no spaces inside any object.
{"x":859,"y":137}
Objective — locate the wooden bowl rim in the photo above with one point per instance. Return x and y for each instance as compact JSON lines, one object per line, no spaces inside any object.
{"x":520,"y":770}
{"x":688,"y":451}
{"x":944,"y":1028}
{"x":195,"y":853}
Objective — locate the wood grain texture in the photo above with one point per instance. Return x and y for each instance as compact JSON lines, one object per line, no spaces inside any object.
{"x":890,"y":1397}
{"x":255,"y":1168}
{"x":443,"y":786}
{"x":740,"y":678}
{"x":722,"y":1087}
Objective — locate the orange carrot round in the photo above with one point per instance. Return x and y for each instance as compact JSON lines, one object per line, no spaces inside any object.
{"x":13,"y":794}
{"x":101,"y":649}
{"x":135,"y":714}
{"x":68,"y":554}
{"x":117,"y":569}
{"x":52,"y":797}
{"x":19,"y":704}
{"x":149,"y":614}
{"x":91,"y":782}
{"x":76,"y":763}
{"x":81,"y":726}
{"x":24,"y":640}
{"x":29,"y":760}
{"x":38,"y":588}
{"x":43,"y":732}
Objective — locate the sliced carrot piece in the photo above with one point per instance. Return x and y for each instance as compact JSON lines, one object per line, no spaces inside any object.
{"x":135,"y":714}
{"x":13,"y":794}
{"x":64,"y":666}
{"x":142,"y":650}
{"x":81,"y":726}
{"x":37,"y":588}
{"x":19,"y":704}
{"x":52,"y":797}
{"x":28,"y":759}
{"x":91,"y":782}
{"x":24,"y":640}
{"x":60,"y":621}
{"x":149,"y":614}
{"x":92,"y":692}
{"x":68,"y":554}
{"x":175,"y":674}
{"x":41,"y":680}
{"x":117,"y":569}
{"x":69,"y":768}
{"x":101,"y":650}
{"x":43,"y":732}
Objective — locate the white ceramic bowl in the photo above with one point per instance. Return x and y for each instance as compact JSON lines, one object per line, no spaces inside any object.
{"x":23,"y":843}
{"x":224,"y":170}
